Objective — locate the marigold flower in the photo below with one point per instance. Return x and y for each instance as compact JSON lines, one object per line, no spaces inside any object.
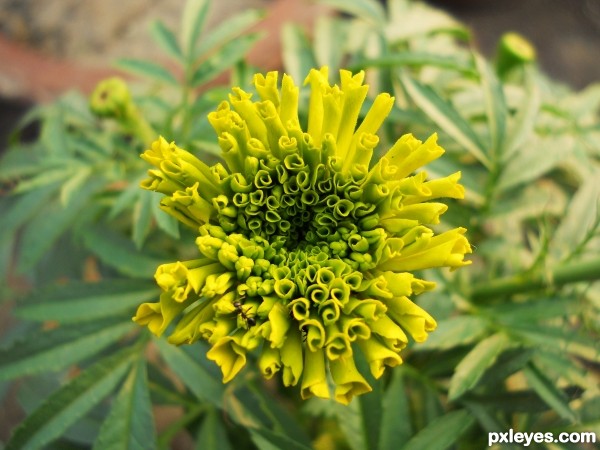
{"x":306,"y":244}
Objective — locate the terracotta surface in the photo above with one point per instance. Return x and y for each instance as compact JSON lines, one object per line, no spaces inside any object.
{"x":41,"y":72}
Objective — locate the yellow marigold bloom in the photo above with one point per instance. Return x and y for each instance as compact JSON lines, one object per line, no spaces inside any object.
{"x":306,"y":245}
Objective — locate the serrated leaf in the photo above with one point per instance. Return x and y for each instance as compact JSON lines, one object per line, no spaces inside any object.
{"x":267,"y":439}
{"x":329,"y":32}
{"x":370,"y":10}
{"x":395,"y":426}
{"x":166,"y":39}
{"x":146,"y":69}
{"x":127,"y":197}
{"x":508,"y":363}
{"x":53,"y":133}
{"x":23,"y":208}
{"x":445,"y":116}
{"x":442,"y":432}
{"x":165,"y":222}
{"x":79,"y":301}
{"x":212,"y":434}
{"x":532,"y":311}
{"x":59,"y":348}
{"x":199,"y":381}
{"x":560,"y":339}
{"x":142,"y":218}
{"x":524,"y":121}
{"x":475,"y":363}
{"x":536,"y":159}
{"x":298,"y":57}
{"x":40,"y":235}
{"x":495,"y":106}
{"x":45,"y":178}
{"x":455,"y":331}
{"x":549,"y":392}
{"x":72,"y":185}
{"x":63,"y":408}
{"x":223,"y":59}
{"x":130,"y":424}
{"x":251,"y":406}
{"x":417,"y":59}
{"x":578,"y":222}
{"x":20,"y":161}
{"x":350,"y":422}
{"x":192,"y":22}
{"x":228,"y":30}
{"x":119,"y":252}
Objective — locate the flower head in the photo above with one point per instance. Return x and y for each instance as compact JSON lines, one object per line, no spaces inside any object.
{"x":306,"y":246}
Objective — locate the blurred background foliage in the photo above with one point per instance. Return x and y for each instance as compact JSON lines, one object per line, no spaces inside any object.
{"x":517,"y":341}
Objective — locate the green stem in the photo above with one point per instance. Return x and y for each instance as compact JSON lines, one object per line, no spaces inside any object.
{"x":571,"y":273}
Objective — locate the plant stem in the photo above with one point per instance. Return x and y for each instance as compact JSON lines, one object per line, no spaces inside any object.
{"x":570,"y":273}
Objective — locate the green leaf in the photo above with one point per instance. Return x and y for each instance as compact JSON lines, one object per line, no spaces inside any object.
{"x":349,"y":419}
{"x":142,"y":218}
{"x":126,"y":199}
{"x":20,"y":161}
{"x":70,"y":188}
{"x":298,"y":57}
{"x":41,"y":234}
{"x":417,"y":59}
{"x":252,"y":406}
{"x":192,"y":22}
{"x":130,"y":424}
{"x":165,"y":222}
{"x":23,"y":208}
{"x":267,"y":439}
{"x":53,"y":135}
{"x":395,"y":424}
{"x":59,"y":348}
{"x":79,"y":301}
{"x":532,"y":311}
{"x":549,"y":392}
{"x":212,"y":434}
{"x":228,"y":30}
{"x":495,"y":106}
{"x":119,"y":252}
{"x":47,"y":176}
{"x":580,"y":220}
{"x":371,"y":411}
{"x":558,"y":339}
{"x":442,"y":432}
{"x":369,"y":10}
{"x":455,"y":331}
{"x":542,"y":154}
{"x":472,"y":367}
{"x":166,"y":39}
{"x":63,"y":408}
{"x":508,"y":363}
{"x":199,"y":381}
{"x":146,"y":69}
{"x":445,"y":116}
{"x":523,"y":122}
{"x":329,"y":32}
{"x":224,"y":58}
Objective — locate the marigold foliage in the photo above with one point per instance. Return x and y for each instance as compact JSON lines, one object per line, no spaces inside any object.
{"x":306,"y":245}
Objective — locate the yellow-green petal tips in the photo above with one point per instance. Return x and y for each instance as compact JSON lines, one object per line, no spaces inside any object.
{"x":305,"y":244}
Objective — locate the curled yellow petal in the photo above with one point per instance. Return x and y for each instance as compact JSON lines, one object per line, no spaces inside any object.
{"x":291,"y":357}
{"x":269,"y":362}
{"x":411,"y":317}
{"x":378,"y":356}
{"x":229,"y":356}
{"x":314,"y":378}
{"x":348,"y":380}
